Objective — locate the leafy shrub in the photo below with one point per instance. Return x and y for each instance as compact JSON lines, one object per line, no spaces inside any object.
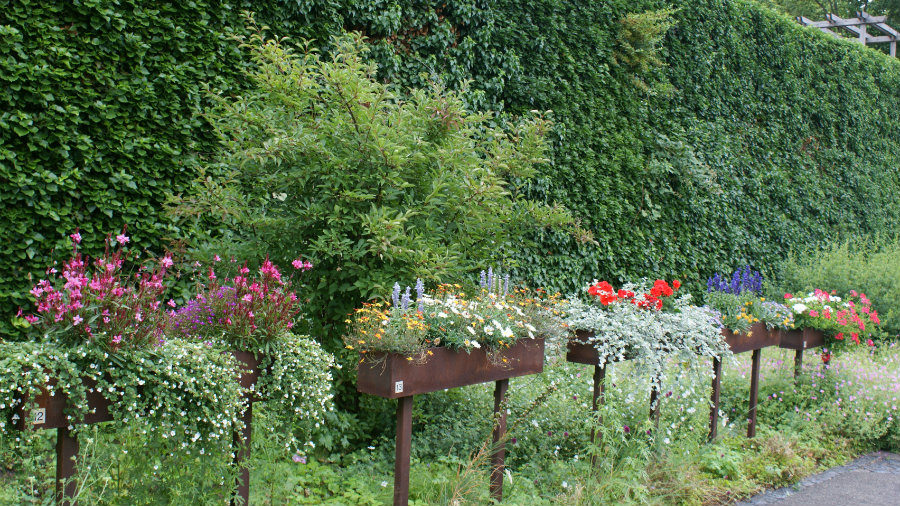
{"x":375,"y":187}
{"x":866,"y":265}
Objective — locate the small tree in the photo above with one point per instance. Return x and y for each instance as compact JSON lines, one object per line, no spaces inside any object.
{"x":320,"y":157}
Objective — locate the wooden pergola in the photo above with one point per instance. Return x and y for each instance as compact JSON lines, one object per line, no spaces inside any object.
{"x":858,"y":28}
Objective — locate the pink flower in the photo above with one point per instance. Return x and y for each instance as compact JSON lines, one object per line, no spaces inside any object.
{"x":217,"y":258}
{"x":248,"y":297}
{"x":788,"y":296}
{"x":76,"y":320}
{"x":76,"y":237}
{"x":117,"y":339}
{"x":31,"y":318}
{"x":870,"y":343}
{"x":167,"y":261}
{"x":814,"y":314}
{"x":212,"y":274}
{"x":171,"y":303}
{"x":122,"y":238}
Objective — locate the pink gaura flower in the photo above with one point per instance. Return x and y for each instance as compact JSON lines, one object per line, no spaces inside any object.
{"x":117,"y":339}
{"x":76,"y":237}
{"x":248,"y":297}
{"x":167,"y":261}
{"x":76,"y":320}
{"x":171,"y":303}
{"x":212,"y":274}
{"x":122,"y":238}
{"x":217,"y":258}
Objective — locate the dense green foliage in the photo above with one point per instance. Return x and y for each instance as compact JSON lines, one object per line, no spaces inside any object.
{"x":689,"y":140}
{"x":868,"y":266}
{"x":748,"y":142}
{"x":97,"y":122}
{"x":322,"y":160}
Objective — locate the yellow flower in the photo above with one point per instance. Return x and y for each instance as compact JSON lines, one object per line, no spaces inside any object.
{"x":349,"y":347}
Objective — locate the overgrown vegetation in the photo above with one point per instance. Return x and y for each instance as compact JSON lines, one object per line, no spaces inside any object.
{"x":802,"y":428}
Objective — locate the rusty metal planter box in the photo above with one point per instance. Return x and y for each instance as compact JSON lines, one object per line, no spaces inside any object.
{"x":580,"y":352}
{"x":760,"y":337}
{"x":48,"y":413}
{"x":392,"y":376}
{"x":802,"y":339}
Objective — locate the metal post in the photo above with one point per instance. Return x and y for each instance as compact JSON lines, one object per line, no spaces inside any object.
{"x":714,"y":399}
{"x":654,"y":406}
{"x":499,"y":445}
{"x":401,"y":457}
{"x":754,"y":394}
{"x":241,"y":441}
{"x":599,"y":400}
{"x":798,"y":363}
{"x":66,"y":453}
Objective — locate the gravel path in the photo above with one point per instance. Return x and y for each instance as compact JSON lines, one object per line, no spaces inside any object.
{"x":871,"y":480}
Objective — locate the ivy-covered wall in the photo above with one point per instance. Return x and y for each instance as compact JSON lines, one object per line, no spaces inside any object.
{"x":756,"y":136}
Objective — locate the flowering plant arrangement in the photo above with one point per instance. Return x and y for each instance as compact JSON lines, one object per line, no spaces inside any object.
{"x":845,"y":319}
{"x":96,"y":326}
{"x":94,"y":302}
{"x":243,"y":312}
{"x":495,"y":317}
{"x":94,"y":329}
{"x":659,"y":297}
{"x":740,"y":305}
{"x":255,"y":312}
{"x":624,"y":329}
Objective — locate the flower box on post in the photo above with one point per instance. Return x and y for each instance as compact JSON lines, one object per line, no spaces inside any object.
{"x":757,"y":338}
{"x":48,"y":412}
{"x":395,"y":376}
{"x":799,"y":340}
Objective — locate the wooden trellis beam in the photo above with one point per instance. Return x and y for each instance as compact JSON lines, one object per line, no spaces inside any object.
{"x":858,"y":27}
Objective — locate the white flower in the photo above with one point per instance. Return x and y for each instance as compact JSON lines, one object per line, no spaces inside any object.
{"x":506,"y":332}
{"x":565,"y":484}
{"x":475,"y":344}
{"x":489,"y":330}
{"x":383,"y":484}
{"x":471,"y":330}
{"x":443,"y":314}
{"x":799,"y":308}
{"x":279,"y":196}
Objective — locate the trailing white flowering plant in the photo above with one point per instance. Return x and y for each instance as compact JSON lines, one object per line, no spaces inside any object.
{"x":255,"y":312}
{"x":495,"y":317}
{"x":622,"y":329}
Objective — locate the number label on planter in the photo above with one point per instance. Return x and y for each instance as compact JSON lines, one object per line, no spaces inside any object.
{"x":38,"y":416}
{"x":398,"y":387}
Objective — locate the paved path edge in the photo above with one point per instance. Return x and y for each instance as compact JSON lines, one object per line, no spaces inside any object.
{"x":876,"y":459}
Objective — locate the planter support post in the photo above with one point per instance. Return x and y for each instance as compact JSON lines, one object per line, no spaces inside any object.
{"x":401,"y":457}
{"x":599,"y":400}
{"x":798,"y":363}
{"x":499,"y":443}
{"x":241,"y":440}
{"x":754,"y":394}
{"x":66,"y":453}
{"x":714,"y":399}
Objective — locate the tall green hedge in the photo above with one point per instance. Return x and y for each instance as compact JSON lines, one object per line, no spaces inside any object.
{"x":759,"y":136}
{"x":756,"y":136}
{"x":97,"y":121}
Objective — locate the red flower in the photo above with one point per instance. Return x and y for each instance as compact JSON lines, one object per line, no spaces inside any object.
{"x":676,"y":284}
